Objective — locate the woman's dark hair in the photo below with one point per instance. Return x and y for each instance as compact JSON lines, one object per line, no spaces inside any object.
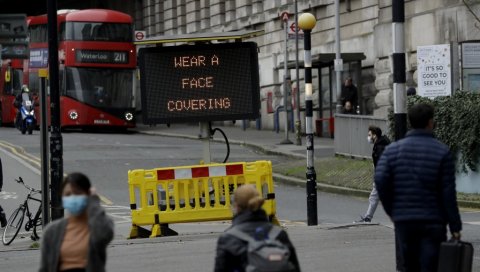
{"x":77,"y":180}
{"x":375,"y":130}
{"x":420,"y":114}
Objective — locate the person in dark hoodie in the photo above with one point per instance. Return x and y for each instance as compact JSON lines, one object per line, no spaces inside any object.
{"x":379,"y":142}
{"x":250,"y":218}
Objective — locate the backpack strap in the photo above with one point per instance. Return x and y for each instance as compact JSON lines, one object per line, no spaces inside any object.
{"x":240,"y":235}
{"x":274,"y":232}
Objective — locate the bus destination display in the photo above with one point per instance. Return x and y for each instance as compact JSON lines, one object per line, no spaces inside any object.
{"x":211,"y":82}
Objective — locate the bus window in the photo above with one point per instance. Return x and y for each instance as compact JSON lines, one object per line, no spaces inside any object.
{"x":15,"y":84}
{"x":111,"y":32}
{"x":33,"y":82}
{"x":37,"y":33}
{"x":62,"y":32}
{"x":17,"y":77}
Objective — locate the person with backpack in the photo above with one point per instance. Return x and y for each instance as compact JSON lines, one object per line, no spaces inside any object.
{"x":252,"y":242}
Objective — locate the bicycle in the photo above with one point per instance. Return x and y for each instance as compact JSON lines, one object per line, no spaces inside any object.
{"x":15,"y":221}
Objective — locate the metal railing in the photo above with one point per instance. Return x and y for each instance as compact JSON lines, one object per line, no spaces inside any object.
{"x":351,"y":133}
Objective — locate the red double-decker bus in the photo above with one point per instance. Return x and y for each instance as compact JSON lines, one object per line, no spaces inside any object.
{"x":11,"y":80}
{"x":97,"y":61}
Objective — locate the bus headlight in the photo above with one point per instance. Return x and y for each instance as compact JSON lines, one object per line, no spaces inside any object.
{"x":73,"y":115}
{"x":128,"y":116}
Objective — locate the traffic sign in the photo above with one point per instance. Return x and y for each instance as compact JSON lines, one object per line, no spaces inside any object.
{"x":292,"y":27}
{"x":291,"y":32}
{"x":140,"y":35}
{"x":13,"y":26}
{"x":285,"y":15}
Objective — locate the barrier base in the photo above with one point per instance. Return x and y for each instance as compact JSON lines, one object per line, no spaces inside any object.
{"x":158,"y":230}
{"x":138,"y":232}
{"x":274,"y":220}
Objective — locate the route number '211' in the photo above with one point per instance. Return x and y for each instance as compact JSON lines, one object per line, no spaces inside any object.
{"x":120,"y":57}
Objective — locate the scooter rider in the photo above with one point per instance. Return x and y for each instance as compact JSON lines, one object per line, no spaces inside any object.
{"x":24,"y":95}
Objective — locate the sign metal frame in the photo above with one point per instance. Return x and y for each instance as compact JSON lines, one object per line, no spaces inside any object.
{"x":249,"y":107}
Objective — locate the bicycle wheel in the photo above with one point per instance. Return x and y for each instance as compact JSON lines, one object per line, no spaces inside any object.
{"x":37,"y":224}
{"x":14,"y":224}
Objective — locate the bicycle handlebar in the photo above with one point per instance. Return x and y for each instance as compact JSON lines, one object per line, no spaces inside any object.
{"x":20,"y":180}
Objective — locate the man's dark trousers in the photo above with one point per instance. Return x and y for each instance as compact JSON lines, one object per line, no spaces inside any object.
{"x":420,"y":239}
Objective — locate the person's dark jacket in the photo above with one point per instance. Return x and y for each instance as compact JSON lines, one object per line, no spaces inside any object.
{"x":415,"y":179}
{"x":17,"y":103}
{"x":232,"y":252}
{"x":349,"y":93}
{"x":378,"y":148}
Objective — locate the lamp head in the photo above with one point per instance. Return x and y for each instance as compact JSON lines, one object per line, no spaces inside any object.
{"x":306,"y":21}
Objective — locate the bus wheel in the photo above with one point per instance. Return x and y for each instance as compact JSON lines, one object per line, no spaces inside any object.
{"x":1,"y":120}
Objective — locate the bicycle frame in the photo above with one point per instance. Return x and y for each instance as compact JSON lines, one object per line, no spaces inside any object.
{"x":31,"y":221}
{"x":16,"y":219}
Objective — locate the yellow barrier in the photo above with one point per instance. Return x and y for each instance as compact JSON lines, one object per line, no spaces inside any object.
{"x":198,"y":193}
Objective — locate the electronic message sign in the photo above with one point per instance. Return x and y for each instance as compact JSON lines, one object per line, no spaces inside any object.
{"x":210,"y":82}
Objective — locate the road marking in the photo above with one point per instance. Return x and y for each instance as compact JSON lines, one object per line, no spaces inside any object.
{"x":8,"y":195}
{"x":120,"y":214}
{"x":18,"y":159}
{"x":105,"y":200}
{"x":19,"y":154}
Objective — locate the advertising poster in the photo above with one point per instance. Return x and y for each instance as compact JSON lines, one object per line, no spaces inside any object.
{"x":434,"y":70}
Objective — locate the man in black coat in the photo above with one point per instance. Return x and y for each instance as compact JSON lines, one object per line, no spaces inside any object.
{"x":415,"y":179}
{"x":379,"y":142}
{"x":349,"y":93}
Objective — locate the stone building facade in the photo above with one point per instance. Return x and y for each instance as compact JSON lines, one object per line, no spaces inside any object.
{"x":365,"y":28}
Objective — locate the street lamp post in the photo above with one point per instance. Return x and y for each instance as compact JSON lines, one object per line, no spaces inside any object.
{"x":338,"y":58}
{"x":298,"y":123}
{"x":307,"y":22}
{"x":286,"y":81}
{"x":399,"y":77}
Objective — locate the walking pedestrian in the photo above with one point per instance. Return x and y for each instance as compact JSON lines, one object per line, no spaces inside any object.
{"x":78,"y":242}
{"x":251,"y":219}
{"x":415,"y":179}
{"x":379,"y":142}
{"x":3,"y":217}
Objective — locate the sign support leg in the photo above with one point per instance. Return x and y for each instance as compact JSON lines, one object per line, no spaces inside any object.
{"x":205,"y":137}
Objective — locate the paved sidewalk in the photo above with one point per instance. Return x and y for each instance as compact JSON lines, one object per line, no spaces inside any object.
{"x":265,"y":140}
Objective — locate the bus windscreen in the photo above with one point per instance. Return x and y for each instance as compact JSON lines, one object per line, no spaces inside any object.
{"x":95,"y":31}
{"x":99,"y":87}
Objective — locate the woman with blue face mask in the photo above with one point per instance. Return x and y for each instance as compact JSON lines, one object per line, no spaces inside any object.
{"x":78,"y":242}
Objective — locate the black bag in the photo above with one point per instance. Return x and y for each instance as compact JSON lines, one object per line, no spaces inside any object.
{"x":268,"y":254}
{"x":455,"y":256}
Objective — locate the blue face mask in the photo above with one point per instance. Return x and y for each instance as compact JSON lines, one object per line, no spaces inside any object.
{"x":75,"y":204}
